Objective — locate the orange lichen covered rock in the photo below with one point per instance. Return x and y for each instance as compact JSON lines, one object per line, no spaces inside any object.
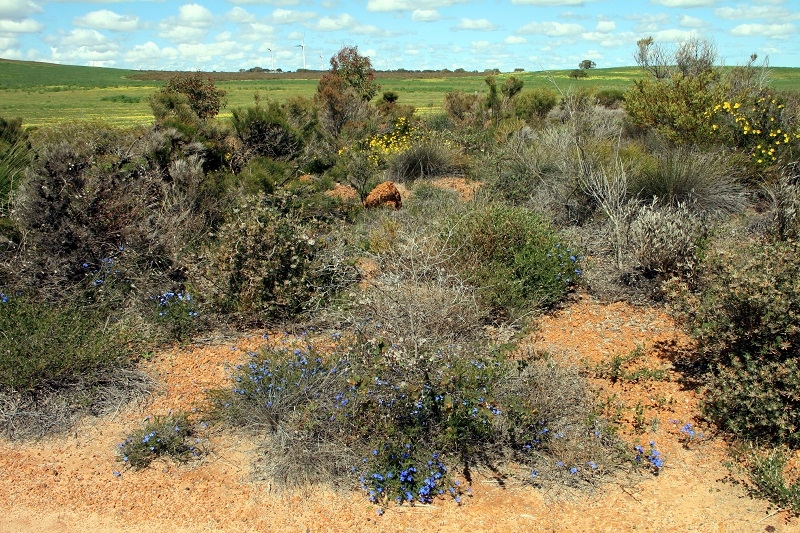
{"x":385,"y":194}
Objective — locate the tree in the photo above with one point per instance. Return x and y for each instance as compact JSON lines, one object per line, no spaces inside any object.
{"x":511,"y":87}
{"x":578,"y":73}
{"x":202,"y":95}
{"x":356,"y":70}
{"x":586,"y":64}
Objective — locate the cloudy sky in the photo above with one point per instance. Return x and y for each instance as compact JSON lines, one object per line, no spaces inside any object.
{"x":413,"y":34}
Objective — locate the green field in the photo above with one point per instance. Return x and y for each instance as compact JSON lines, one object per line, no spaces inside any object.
{"x":43,"y":93}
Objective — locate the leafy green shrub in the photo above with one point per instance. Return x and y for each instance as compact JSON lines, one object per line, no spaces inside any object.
{"x":401,"y":430}
{"x":611,"y":98}
{"x":769,"y":476}
{"x":265,"y":131}
{"x":201,"y":94}
{"x":45,"y":347}
{"x":784,"y":214}
{"x":535,"y":104}
{"x":678,"y":106}
{"x":461,"y":106}
{"x":746,"y":320}
{"x":161,"y":436}
{"x":515,"y":256}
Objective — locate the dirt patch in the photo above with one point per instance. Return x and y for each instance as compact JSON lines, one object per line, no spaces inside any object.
{"x":76,"y":483}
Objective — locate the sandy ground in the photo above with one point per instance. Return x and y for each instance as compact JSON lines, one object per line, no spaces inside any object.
{"x":76,"y":483}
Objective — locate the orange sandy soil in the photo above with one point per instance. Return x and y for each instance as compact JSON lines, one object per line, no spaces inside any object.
{"x":68,"y":483}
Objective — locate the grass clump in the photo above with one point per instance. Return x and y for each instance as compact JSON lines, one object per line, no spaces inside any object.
{"x":769,"y":476}
{"x":160,"y":437}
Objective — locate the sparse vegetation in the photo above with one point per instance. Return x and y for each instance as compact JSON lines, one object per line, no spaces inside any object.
{"x":116,"y":240}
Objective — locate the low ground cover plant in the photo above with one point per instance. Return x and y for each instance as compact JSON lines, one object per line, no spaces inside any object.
{"x":168,"y":436}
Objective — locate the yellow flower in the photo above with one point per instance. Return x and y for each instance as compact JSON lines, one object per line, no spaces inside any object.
{"x":714,"y":127}
{"x":737,"y":105}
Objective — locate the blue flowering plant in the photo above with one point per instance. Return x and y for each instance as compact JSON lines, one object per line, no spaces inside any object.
{"x":167,"y":436}
{"x":177,"y":312}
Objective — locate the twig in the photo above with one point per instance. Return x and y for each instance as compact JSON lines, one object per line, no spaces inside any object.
{"x":772,"y":514}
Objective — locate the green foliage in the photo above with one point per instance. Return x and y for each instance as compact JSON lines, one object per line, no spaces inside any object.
{"x":587,"y":64}
{"x":611,"y":98}
{"x":402,"y":429}
{"x":769,"y":474}
{"x":264,"y":262}
{"x":460,"y":105}
{"x":629,"y":368}
{"x":265,"y":131}
{"x":356,"y":71}
{"x":746,"y":320}
{"x":203,"y":97}
{"x":515,"y":256}
{"x":511,"y":87}
{"x":426,"y":157}
{"x":160,"y":437}
{"x":578,"y":74}
{"x":535,"y":104}
{"x":45,"y":347}
{"x":678,"y":106}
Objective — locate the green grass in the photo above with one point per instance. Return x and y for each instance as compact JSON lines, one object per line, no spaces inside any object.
{"x":43,"y":93}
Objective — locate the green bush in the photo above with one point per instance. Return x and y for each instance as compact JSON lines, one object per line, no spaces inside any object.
{"x":535,"y":104}
{"x":263,"y":263}
{"x":265,"y":131}
{"x":402,"y":430}
{"x":161,"y":436}
{"x":611,"y":98}
{"x":45,"y":347}
{"x":514,"y":256}
{"x":746,"y":320}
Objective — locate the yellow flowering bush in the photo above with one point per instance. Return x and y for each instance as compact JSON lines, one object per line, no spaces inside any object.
{"x":756,"y":126}
{"x":383,"y":147}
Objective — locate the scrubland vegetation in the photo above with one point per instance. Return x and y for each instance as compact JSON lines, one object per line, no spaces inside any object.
{"x":681,"y":190}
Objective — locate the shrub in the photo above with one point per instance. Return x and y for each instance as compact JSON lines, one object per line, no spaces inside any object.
{"x":745,"y":320}
{"x":161,"y":436}
{"x":668,"y":241}
{"x":705,"y":181}
{"x":514,"y":256}
{"x":50,"y":348}
{"x":677,"y":106}
{"x":402,"y":430}
{"x":202,"y":95}
{"x":426,"y":157}
{"x":611,"y":98}
{"x":770,"y":475}
{"x":14,"y":156}
{"x":535,"y":104}
{"x":265,"y":131}
{"x":263,"y":264}
{"x":461,"y":106}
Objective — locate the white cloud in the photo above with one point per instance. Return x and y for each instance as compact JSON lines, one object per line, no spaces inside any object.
{"x":262,"y":2}
{"x":107,"y":20}
{"x":150,"y":56}
{"x":672,"y":36}
{"x":22,"y":26}
{"x":775,"y":31}
{"x":605,"y":26}
{"x":342,"y":22}
{"x":288,"y":16}
{"x":475,"y":24}
{"x":425,"y":15}
{"x":513,"y":39}
{"x":691,"y":22}
{"x":745,"y":12}
{"x":684,"y":3}
{"x":550,"y":2}
{"x":649,"y":22}
{"x":551,"y":29}
{"x":409,"y":5}
{"x":240,"y":15}
{"x":83,"y":45}
{"x":191,"y":24}
{"x":195,"y":15}
{"x":18,"y":9}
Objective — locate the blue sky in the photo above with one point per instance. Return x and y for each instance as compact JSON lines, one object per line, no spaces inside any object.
{"x":228,"y":35}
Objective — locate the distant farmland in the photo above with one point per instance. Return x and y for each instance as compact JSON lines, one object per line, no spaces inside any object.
{"x":43,"y":93}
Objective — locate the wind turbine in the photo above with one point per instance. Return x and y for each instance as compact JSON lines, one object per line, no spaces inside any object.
{"x":321,"y":62}
{"x":271,"y":58}
{"x":303,"y":46}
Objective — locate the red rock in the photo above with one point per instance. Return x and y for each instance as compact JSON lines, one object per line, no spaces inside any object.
{"x":385,"y":194}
